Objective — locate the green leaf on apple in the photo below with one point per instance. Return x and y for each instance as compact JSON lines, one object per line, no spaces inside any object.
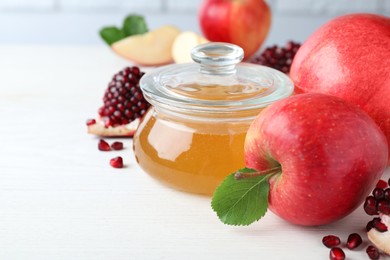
{"x":242,"y":197}
{"x":132,"y":25}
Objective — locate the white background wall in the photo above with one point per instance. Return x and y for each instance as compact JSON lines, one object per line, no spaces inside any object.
{"x":77,"y":22}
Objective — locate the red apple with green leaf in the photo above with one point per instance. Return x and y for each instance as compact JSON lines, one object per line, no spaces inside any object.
{"x":312,"y":158}
{"x":242,"y":22}
{"x":349,"y":57}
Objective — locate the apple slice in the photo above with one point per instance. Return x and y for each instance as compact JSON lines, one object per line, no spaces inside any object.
{"x":183,"y":44}
{"x":152,"y":48}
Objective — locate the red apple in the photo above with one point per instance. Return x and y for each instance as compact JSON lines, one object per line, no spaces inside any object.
{"x":330,"y":152}
{"x":242,"y":22}
{"x":349,"y":57}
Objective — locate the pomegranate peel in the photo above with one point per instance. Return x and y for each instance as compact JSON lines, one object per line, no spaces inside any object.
{"x":100,"y":129}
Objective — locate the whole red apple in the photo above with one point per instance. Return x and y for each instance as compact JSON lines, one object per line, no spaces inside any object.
{"x":349,"y":57}
{"x":242,"y":22}
{"x":330,"y":152}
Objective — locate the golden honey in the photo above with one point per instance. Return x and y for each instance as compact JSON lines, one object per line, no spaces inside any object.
{"x":193,"y":157}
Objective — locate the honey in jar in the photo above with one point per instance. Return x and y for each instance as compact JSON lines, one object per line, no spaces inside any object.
{"x":193,"y":137}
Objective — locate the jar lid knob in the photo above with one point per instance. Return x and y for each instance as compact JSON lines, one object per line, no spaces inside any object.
{"x":217,"y":57}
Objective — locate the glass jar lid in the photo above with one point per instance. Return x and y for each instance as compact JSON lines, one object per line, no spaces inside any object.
{"x":217,"y":84}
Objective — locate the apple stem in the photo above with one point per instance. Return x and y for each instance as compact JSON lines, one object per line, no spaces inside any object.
{"x":241,"y":175}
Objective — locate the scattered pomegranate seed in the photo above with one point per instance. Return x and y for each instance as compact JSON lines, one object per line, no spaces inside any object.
{"x":117,"y":145}
{"x":116,"y":162}
{"x":336,"y":253}
{"x":354,"y":240}
{"x":330,"y":241}
{"x":103,"y":146}
{"x":378,"y":193}
{"x":91,"y":122}
{"x":384,"y":206}
{"x":382,"y":184}
{"x":372,"y":252}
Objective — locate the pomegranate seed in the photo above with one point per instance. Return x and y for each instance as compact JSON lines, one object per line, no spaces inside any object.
{"x":372,"y":252}
{"x":103,"y":146}
{"x":378,"y":193}
{"x":378,"y":225}
{"x":370,"y":206}
{"x":381,"y":184}
{"x":370,"y":225}
{"x":91,"y":122}
{"x":116,"y":162}
{"x":107,"y":123}
{"x":384,"y":206}
{"x":330,"y":241}
{"x":101,"y":111}
{"x":386,"y":194}
{"x":354,"y":240}
{"x":336,"y":253}
{"x":117,"y":145}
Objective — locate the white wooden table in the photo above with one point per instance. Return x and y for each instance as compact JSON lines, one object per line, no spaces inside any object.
{"x":60,"y":199}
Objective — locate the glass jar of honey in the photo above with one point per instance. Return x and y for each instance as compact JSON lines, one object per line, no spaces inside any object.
{"x":193,"y":136}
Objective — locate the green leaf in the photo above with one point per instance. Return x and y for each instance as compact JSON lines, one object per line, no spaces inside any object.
{"x":134,"y":24}
{"x":111,"y":34}
{"x":242,"y":201}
